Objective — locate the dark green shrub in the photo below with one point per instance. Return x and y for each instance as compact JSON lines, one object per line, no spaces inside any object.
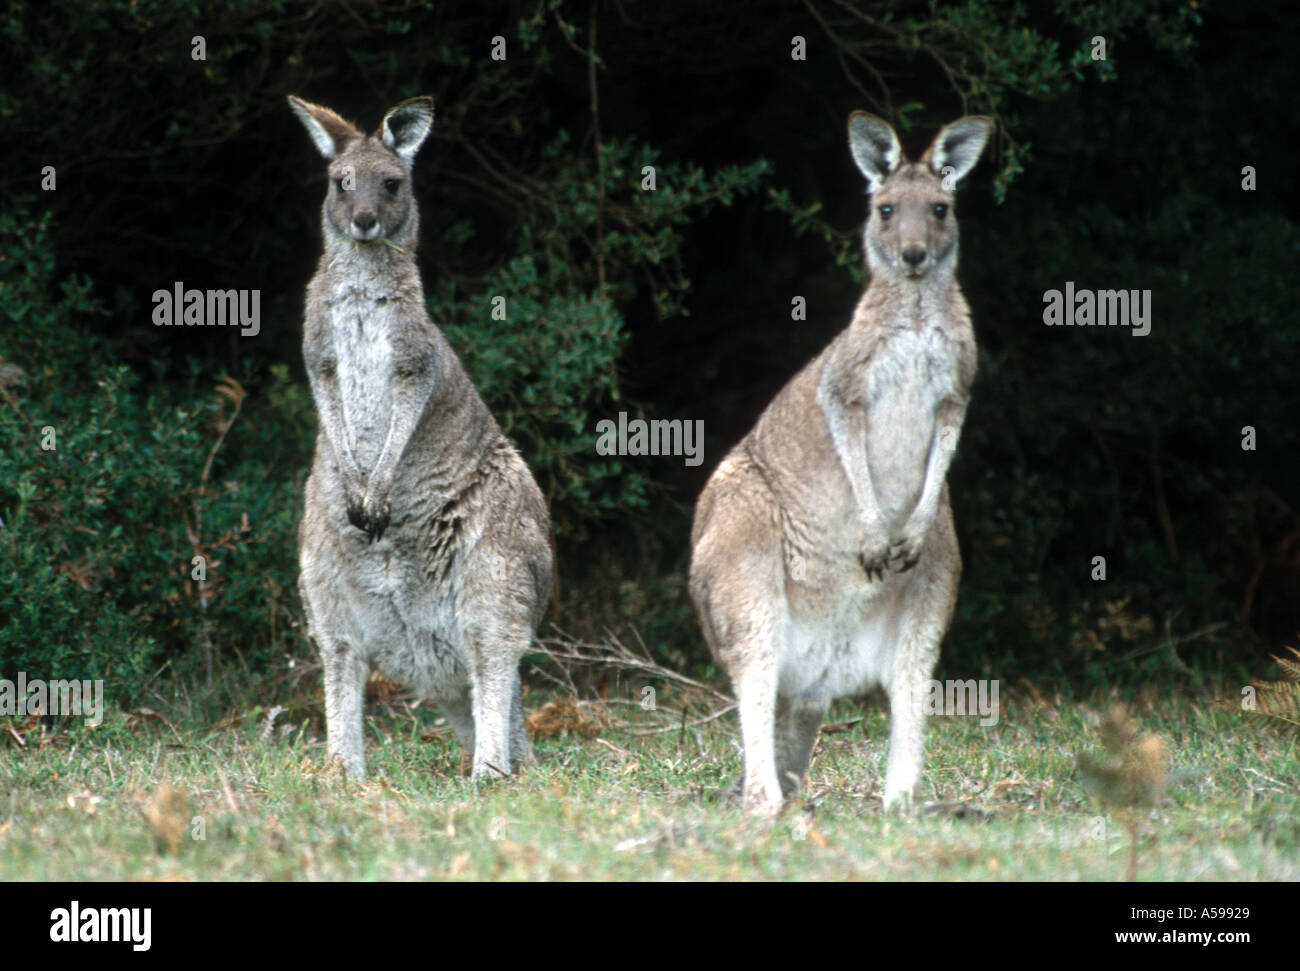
{"x":100,"y":530}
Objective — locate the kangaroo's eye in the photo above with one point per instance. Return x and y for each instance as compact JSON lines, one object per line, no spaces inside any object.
{"x":939,"y":209}
{"x":392,"y":185}
{"x":338,"y":184}
{"x":886,"y":212}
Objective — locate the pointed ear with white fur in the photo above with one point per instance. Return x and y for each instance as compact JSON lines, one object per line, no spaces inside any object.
{"x":328,"y":131}
{"x":875,"y":148}
{"x":406,"y":126}
{"x":958,"y":145}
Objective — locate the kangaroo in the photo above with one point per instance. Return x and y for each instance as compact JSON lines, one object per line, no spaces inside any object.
{"x":824,"y":559}
{"x":425,"y":547}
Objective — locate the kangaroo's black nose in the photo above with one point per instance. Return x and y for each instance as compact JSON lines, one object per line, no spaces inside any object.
{"x":914,"y":256}
{"x":363,"y":222}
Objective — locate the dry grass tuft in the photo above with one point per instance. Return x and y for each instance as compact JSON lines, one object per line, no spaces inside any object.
{"x":563,"y":717}
{"x":165,"y":812}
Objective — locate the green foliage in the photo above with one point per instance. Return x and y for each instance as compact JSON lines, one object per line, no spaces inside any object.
{"x":651,"y":301}
{"x":542,"y":386}
{"x":60,"y":533}
{"x":543,"y":334}
{"x":100,"y":530}
{"x":844,"y":246}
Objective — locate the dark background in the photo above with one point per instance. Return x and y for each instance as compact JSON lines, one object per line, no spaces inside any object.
{"x":1125,"y":173}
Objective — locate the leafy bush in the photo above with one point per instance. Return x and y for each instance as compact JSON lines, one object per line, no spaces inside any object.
{"x":547,"y":361}
{"x":111,"y":485}
{"x":620,"y":298}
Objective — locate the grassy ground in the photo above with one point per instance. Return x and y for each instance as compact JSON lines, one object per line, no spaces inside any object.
{"x":1004,"y":803}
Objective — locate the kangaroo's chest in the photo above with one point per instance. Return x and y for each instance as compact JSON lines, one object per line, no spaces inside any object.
{"x":911,"y":375}
{"x":361,"y":325}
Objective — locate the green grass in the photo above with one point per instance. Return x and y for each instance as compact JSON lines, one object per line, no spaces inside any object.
{"x":1006,"y":803}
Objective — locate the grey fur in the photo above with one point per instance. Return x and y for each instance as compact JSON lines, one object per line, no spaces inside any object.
{"x":824,"y":559}
{"x":425,"y":546}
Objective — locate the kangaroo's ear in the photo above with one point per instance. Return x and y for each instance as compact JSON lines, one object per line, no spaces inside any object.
{"x":406,"y":126}
{"x":958,"y":145}
{"x":874,"y":146}
{"x":330,"y":133}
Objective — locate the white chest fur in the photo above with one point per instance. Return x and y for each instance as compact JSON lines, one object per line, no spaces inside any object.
{"x":361,"y":323}
{"x":911,"y":374}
